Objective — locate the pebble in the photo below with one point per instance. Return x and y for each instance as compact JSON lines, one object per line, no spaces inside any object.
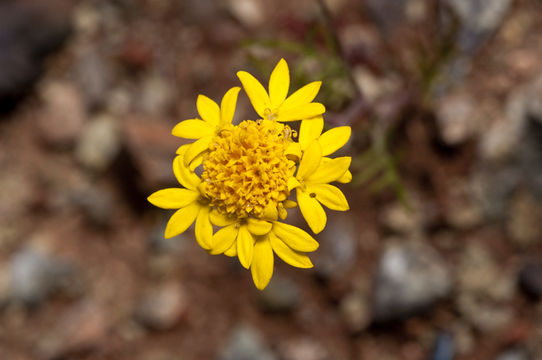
{"x":82,"y":327}
{"x":338,"y":247}
{"x":303,"y":349}
{"x":64,"y":114}
{"x":356,"y":311}
{"x":94,"y":75}
{"x":248,"y":12}
{"x":36,"y":274}
{"x":517,"y":353}
{"x":410,"y":278}
{"x":444,"y":347}
{"x":162,"y":306}
{"x":484,"y":289}
{"x":280,"y":296}
{"x":530,"y":279}
{"x":157,"y":96}
{"x":523,"y":220}
{"x":99,"y":143}
{"x":457,"y":117}
{"x":96,"y":204}
{"x":246,"y":343}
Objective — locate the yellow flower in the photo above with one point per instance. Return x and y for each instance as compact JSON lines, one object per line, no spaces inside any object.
{"x":192,"y":205}
{"x":214,"y":119}
{"x":248,"y":171}
{"x":315,"y":172}
{"x":277,"y":106}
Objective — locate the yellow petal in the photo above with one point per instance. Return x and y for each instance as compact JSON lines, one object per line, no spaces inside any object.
{"x":196,"y":148}
{"x":232,"y":251}
{"x":302,"y":112}
{"x":227,"y":106}
{"x":183,"y":174}
{"x":204,"y":228}
{"x":289,"y":256}
{"x":223,"y":239}
{"x":294,"y":237}
{"x":245,"y":247}
{"x":279,"y":83}
{"x":259,"y":227}
{"x":302,"y":96}
{"x":293,"y":183}
{"x":208,"y":110}
{"x":346,"y":178}
{"x":312,"y":211}
{"x":181,"y":150}
{"x":193,"y":129}
{"x":173,"y":198}
{"x":310,"y":160}
{"x":329,"y":196}
{"x":334,"y":139}
{"x":181,"y":220}
{"x":262,"y":263}
{"x":219,"y":219}
{"x":255,"y":91}
{"x":309,"y":130}
{"x":329,"y":171}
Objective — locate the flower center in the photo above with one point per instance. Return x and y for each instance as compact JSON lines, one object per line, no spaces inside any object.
{"x":246,"y":170}
{"x":270,"y":114}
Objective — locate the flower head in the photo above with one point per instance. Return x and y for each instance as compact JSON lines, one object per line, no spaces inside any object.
{"x":248,"y":172}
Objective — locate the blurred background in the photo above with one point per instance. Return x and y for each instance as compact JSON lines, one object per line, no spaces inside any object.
{"x":440,"y":257}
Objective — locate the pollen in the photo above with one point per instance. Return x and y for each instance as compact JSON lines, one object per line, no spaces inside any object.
{"x":246,"y":170}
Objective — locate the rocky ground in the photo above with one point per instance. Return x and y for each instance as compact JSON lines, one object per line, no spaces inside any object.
{"x":439,"y":259}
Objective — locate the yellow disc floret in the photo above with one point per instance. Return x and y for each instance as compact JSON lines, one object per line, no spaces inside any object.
{"x":246,"y":170}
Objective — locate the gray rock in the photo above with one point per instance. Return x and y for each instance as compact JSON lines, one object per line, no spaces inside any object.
{"x":99,"y":143}
{"x":162,"y":307}
{"x":36,"y":274}
{"x":63,"y":115}
{"x":157,"y":96}
{"x":245,"y":343}
{"x":479,"y":18}
{"x":303,"y":349}
{"x":410,"y":278}
{"x":96,"y":204}
{"x":457,"y":117}
{"x":444,"y":347}
{"x":523,"y":220}
{"x":281,"y":295}
{"x":484,"y":289}
{"x":94,"y":75}
{"x":338,"y":246}
{"x":355,"y":310}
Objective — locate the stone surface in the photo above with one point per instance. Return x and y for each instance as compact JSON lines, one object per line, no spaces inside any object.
{"x":162,"y":307}
{"x":410,"y":278}
{"x":281,"y":295}
{"x":80,"y":328}
{"x":484,"y":289}
{"x":338,"y":247}
{"x":64,"y":113}
{"x":303,"y":349}
{"x":355,"y":310}
{"x":245,"y":343}
{"x":523,"y":220}
{"x":457,"y":117}
{"x":35,"y":275}
{"x":99,"y":143}
{"x":517,"y":353}
{"x":444,"y":347}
